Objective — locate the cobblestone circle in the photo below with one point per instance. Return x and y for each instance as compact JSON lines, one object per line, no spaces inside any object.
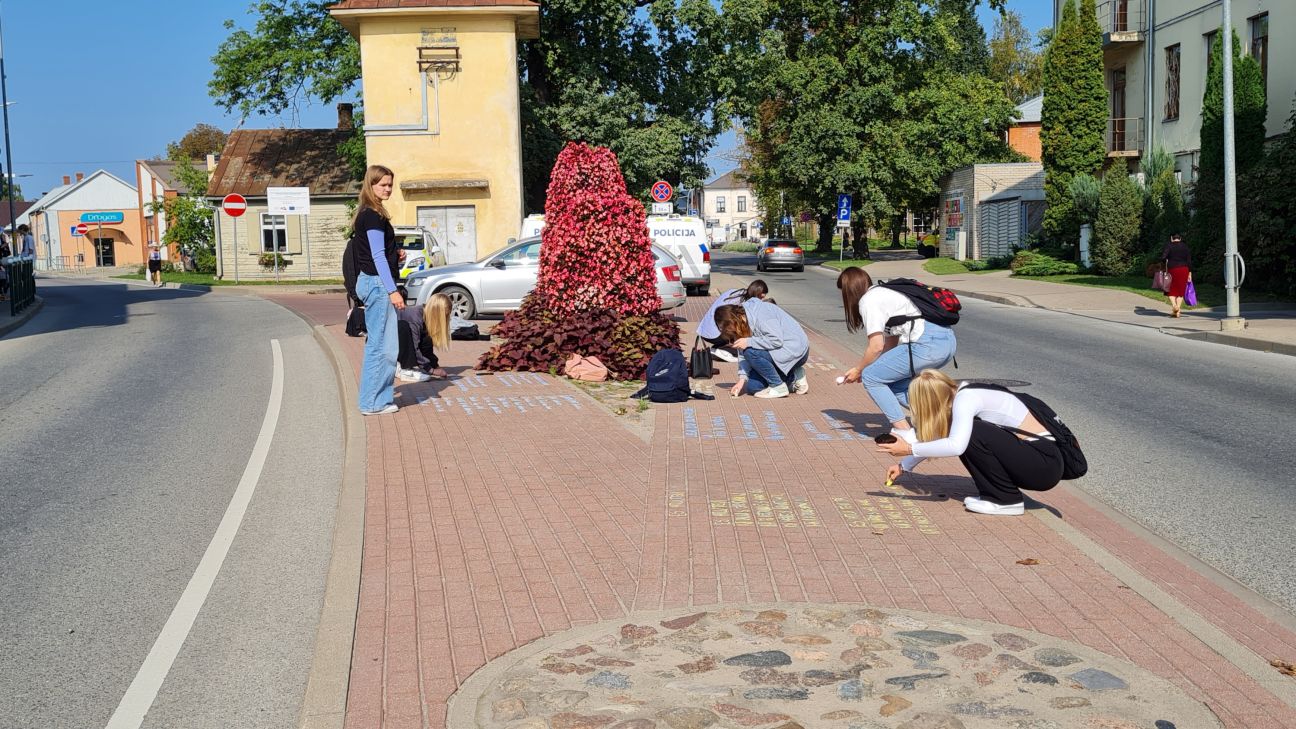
{"x":809,"y":666}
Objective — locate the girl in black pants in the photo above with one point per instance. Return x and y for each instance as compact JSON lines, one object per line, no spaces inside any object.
{"x":1002,"y":445}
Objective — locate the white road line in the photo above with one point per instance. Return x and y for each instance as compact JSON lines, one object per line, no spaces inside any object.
{"x":144,"y":689}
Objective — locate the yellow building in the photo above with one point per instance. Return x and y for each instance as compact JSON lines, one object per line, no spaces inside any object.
{"x":441,"y":105}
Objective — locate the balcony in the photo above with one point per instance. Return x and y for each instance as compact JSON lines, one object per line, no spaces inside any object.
{"x":1124,"y":137}
{"x":1123,"y":22}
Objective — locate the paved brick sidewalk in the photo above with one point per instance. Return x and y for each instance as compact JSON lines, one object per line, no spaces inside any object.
{"x":505,"y":508}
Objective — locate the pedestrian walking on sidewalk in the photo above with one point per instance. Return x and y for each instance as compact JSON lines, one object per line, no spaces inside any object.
{"x":420,"y":332}
{"x":1003,"y":446}
{"x":155,"y":265}
{"x":774,"y":348}
{"x":1178,"y":264}
{"x":377,"y":260}
{"x":707,"y":328}
{"x":886,"y":368}
{"x":28,"y":242}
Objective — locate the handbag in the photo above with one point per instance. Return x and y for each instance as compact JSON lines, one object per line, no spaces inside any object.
{"x":1190,"y":294}
{"x":1161,"y":281}
{"x":589,"y":369}
{"x":701,"y":365}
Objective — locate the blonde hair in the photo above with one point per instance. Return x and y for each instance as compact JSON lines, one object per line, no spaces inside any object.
{"x":436,"y":319}
{"x":931,"y":399}
{"x":372,"y":176}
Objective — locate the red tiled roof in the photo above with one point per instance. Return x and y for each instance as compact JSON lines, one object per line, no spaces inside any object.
{"x":385,"y":4}
{"x":255,"y":159}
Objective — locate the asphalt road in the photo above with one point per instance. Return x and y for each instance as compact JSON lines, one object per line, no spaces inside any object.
{"x":127,"y":417}
{"x":1191,"y":439}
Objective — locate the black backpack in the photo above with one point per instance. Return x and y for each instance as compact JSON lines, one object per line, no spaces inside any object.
{"x":1074,"y":464}
{"x":935,"y":304}
{"x":668,"y":377}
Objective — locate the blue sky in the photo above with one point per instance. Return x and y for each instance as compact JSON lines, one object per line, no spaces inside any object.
{"x":133,"y":76}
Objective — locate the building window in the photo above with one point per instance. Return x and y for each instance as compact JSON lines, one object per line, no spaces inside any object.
{"x":1172,"y":82}
{"x":274,"y":233}
{"x":1210,"y":43}
{"x":1260,"y":44}
{"x":720,"y":203}
{"x":742,"y":203}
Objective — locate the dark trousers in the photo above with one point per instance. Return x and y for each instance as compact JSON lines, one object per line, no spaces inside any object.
{"x":719,"y":341}
{"x":1002,"y":465}
{"x":407,"y":354}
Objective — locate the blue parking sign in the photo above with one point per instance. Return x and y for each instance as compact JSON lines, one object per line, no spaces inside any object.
{"x":843,"y":208}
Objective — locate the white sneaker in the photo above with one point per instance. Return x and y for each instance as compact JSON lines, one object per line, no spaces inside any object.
{"x":981,"y":506}
{"x":723,"y":355}
{"x":405,"y":375}
{"x":801,"y":386}
{"x":780,"y":390}
{"x":908,"y":435}
{"x":385,"y":411}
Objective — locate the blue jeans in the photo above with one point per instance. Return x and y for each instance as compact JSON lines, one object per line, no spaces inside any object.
{"x":763,"y":373}
{"x":887,"y":379}
{"x":381,"y":345}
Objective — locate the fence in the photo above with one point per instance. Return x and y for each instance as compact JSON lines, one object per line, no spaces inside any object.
{"x":22,"y":284}
{"x":1116,"y":17}
{"x":1124,"y":137}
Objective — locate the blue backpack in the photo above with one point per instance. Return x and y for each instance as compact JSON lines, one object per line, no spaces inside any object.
{"x":668,"y":377}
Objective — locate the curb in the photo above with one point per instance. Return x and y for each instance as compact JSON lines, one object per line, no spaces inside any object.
{"x":324,"y":705}
{"x":22,"y":318}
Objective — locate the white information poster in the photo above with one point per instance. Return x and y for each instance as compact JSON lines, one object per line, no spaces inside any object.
{"x":288,"y":200}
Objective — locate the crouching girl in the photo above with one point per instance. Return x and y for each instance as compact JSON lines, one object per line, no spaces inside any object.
{"x":419,"y":332}
{"x":773,"y":346}
{"x":1002,"y":445}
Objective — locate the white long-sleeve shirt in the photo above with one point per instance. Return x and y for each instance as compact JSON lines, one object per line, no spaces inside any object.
{"x":992,"y":406}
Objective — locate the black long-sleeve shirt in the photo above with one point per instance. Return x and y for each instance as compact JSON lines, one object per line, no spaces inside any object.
{"x":1176,"y":254}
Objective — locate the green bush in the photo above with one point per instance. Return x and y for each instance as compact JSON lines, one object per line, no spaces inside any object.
{"x":1034,"y":263}
{"x":1119,"y":224}
{"x":268,"y":261}
{"x":741,"y":246}
{"x":205,"y":261}
{"x":989,"y":264}
{"x":536,"y":339}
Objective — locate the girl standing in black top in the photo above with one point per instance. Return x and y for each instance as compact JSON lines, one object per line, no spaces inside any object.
{"x":1178,"y":263}
{"x":377,"y":258}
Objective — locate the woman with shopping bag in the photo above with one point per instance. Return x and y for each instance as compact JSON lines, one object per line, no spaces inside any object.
{"x":1178,"y":268}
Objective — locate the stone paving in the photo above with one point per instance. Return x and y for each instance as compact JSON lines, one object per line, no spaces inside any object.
{"x":505,"y":511}
{"x":797,"y":666}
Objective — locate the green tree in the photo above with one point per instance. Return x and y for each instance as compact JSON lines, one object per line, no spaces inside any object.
{"x":1086,"y":195}
{"x":1074,"y":118}
{"x":197,"y":143}
{"x":189,"y":217}
{"x":970,"y":53}
{"x":7,"y":187}
{"x":1249,"y":110}
{"x":1163,"y":202}
{"x":1014,"y":60}
{"x":847,"y":97}
{"x":1267,"y":217}
{"x":1120,"y":216}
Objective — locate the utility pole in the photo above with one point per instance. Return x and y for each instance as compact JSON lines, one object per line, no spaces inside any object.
{"x":1233,"y":314}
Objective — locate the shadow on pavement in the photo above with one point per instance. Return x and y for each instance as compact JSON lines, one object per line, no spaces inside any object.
{"x":74,"y":305}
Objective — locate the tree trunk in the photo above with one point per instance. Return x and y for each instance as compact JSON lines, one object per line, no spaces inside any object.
{"x":827,"y":223}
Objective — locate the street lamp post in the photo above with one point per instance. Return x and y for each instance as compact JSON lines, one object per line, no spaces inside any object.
{"x":1233,"y":313}
{"x":4,"y":99}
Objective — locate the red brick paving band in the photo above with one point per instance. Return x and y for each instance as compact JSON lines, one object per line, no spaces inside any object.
{"x":489,"y":526}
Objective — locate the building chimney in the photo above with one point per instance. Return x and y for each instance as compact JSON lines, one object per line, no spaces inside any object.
{"x":80,"y":176}
{"x":345,"y":114}
{"x":211,"y":162}
{"x":67,"y":180}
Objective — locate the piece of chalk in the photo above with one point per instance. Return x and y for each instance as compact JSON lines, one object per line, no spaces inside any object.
{"x":841,"y":380}
{"x":889,"y":482}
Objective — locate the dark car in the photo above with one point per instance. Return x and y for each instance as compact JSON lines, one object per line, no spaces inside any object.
{"x":780,"y":253}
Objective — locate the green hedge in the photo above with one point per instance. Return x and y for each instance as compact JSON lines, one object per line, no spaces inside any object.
{"x":1033,"y":263}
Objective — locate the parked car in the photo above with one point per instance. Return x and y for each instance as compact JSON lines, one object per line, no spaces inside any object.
{"x":498,"y":282}
{"x":419,"y":248}
{"x":780,"y":253}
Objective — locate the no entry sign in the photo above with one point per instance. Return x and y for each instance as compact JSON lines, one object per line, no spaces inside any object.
{"x":662,"y":191}
{"x":234,"y":205}
{"x":82,"y":229}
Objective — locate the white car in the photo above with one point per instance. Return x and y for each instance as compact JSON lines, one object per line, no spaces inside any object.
{"x":420,"y":248}
{"x":685,"y":237}
{"x":498,"y":282}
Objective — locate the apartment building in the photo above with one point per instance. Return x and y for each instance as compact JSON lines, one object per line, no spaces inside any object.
{"x":1155,"y":55}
